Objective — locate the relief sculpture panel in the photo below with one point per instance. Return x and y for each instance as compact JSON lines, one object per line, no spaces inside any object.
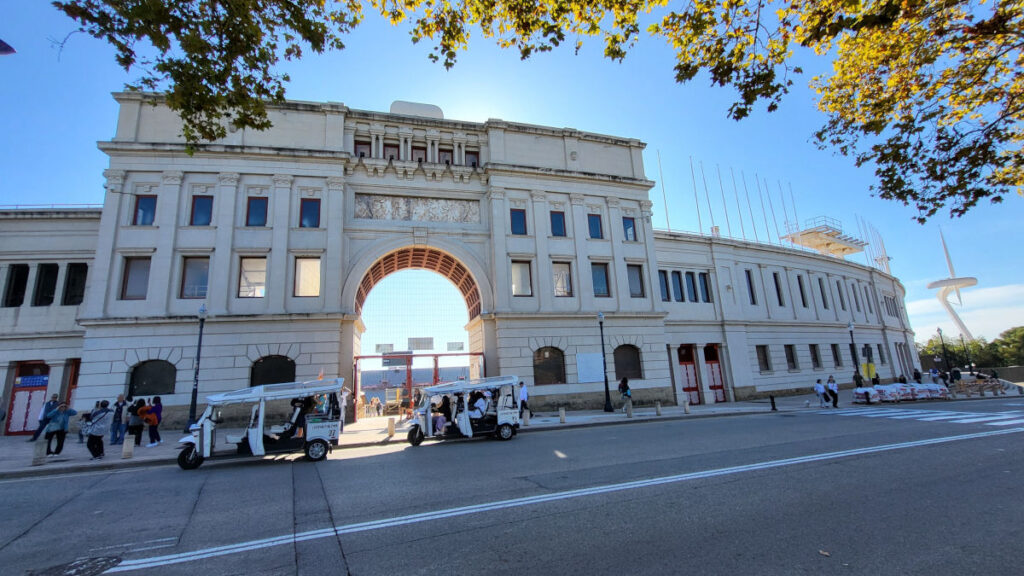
{"x":376,"y":207}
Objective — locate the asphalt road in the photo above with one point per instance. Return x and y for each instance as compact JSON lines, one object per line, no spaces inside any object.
{"x":860,"y":491}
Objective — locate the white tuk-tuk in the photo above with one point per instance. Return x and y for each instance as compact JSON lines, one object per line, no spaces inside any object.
{"x":318,"y":416}
{"x":454,"y":410}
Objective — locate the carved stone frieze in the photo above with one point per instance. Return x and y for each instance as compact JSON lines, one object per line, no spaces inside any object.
{"x":228,"y":178}
{"x":172,"y":177}
{"x":115,"y":180}
{"x":378,"y":207}
{"x":283,"y":180}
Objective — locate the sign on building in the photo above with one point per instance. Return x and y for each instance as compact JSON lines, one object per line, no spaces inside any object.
{"x":385,"y":348}
{"x":421,"y":343}
{"x":456,"y":347}
{"x":403,"y":358}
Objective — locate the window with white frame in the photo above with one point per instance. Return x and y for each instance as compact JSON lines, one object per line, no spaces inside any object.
{"x":562,"y":277}
{"x":521,"y":285}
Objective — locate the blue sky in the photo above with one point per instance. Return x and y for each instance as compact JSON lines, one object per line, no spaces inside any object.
{"x":57,"y":105}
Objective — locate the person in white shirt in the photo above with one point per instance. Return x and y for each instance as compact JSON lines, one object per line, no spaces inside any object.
{"x":524,"y":396}
{"x":819,"y":389}
{"x":477,"y":406}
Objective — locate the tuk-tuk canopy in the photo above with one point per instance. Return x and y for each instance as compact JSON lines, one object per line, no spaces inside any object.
{"x":468,"y":385}
{"x":281,"y":391}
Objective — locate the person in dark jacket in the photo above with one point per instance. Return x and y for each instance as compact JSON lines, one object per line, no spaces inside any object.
{"x":156,"y":413}
{"x":43,"y":421}
{"x":135,"y":420}
{"x":99,"y":425}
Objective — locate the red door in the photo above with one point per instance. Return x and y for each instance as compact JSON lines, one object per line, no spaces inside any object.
{"x":688,"y":366}
{"x":27,"y":397}
{"x":717,"y":384}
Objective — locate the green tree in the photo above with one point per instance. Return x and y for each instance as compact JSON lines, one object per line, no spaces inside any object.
{"x":929,"y":92}
{"x":1010,"y":346}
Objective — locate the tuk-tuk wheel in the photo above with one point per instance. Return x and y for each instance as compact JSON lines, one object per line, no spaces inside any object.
{"x":316,"y":450}
{"x":505,"y":432}
{"x":189,"y":458}
{"x":415,"y":436}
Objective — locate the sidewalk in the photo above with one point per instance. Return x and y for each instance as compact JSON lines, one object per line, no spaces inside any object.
{"x":16,"y":453}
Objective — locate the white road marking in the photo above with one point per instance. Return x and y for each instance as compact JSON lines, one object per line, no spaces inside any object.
{"x":1005,"y":423}
{"x":131,"y":544}
{"x":157,"y":561}
{"x":1003,"y":416}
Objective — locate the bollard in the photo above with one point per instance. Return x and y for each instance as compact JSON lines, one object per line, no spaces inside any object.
{"x":128,"y":448}
{"x":629,"y":407}
{"x":657,"y":408}
{"x":526,"y":418}
{"x":561,"y":415}
{"x":686,"y":404}
{"x":772,"y":398}
{"x":39,"y":452}
{"x":391,"y":427}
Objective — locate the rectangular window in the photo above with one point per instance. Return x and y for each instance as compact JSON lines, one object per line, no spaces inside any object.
{"x":521,"y":285}
{"x":837,"y":358}
{"x":677,"y":286}
{"x":815,"y":356}
{"x":74,"y":284}
{"x":791,"y":362}
{"x":599,"y":273}
{"x":472,"y":159}
{"x":145,"y":211}
{"x":558,"y":223}
{"x":252,"y":277}
{"x":202,"y":211}
{"x":518,"y":218}
{"x":867,"y":300}
{"x":444,"y":156}
{"x":307,"y":277}
{"x":195,"y":277}
{"x":256,"y":211}
{"x":46,"y":284}
{"x":764,"y":360}
{"x":594,"y":224}
{"x":691,"y":287}
{"x":562,"y":274}
{"x":17,"y":282}
{"x":635,"y":273}
{"x":629,"y":228}
{"x":705,"y":287}
{"x":803,"y":292}
{"x":362,"y":149}
{"x":824,"y":294}
{"x":842,"y":299}
{"x":419,"y":154}
{"x":778,"y":289}
{"x":309,"y":210}
{"x":881,"y":355}
{"x":663,"y":282}
{"x":391,"y":151}
{"x":135,"y":282}
{"x":750,"y":287}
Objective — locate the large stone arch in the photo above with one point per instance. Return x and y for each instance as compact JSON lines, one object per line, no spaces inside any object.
{"x":450,"y":261}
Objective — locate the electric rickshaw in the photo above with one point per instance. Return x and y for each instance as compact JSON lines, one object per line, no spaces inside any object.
{"x":500,"y":417}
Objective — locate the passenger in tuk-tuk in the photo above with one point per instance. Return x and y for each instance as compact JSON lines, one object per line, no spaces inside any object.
{"x":446,"y":408}
{"x":303,"y":407}
{"x":437,"y":418}
{"x":478,"y":405}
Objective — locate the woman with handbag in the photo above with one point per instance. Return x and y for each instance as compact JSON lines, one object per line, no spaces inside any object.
{"x":152,"y":417}
{"x":99,"y":425}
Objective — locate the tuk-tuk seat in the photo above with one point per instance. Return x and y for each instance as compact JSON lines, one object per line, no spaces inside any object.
{"x":279,"y":429}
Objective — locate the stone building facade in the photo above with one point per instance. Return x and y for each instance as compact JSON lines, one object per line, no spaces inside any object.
{"x":282,"y":234}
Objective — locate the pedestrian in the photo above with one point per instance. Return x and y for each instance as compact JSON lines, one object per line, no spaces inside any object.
{"x":625,"y":392}
{"x":99,"y":424}
{"x":934,"y":374}
{"x":153,"y":417}
{"x":83,"y":423}
{"x":917,"y":375}
{"x":833,"y":391}
{"x":875,"y":381}
{"x":118,"y":424}
{"x":819,"y":389}
{"x":43,"y":420}
{"x":524,"y":396}
{"x":57,"y":427}
{"x":135,"y":424}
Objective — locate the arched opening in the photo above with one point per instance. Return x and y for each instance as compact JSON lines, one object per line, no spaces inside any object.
{"x":627,"y":363}
{"x":548,"y":366}
{"x":152,"y":378}
{"x":419,"y":301}
{"x":272,"y":370}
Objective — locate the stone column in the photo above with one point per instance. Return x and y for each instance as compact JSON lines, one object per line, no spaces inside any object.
{"x":221,"y":288}
{"x":433,"y":136}
{"x":377,"y":141}
{"x":618,"y":278}
{"x":706,"y":393}
{"x":578,"y":215}
{"x":168,"y":201}
{"x":278,"y":265}
{"x":333,"y":258}
{"x":55,"y":384}
{"x":645,"y":233}
{"x":104,"y":263}
{"x":405,"y":146}
{"x":545,"y":283}
{"x":501,"y":262}
{"x":677,"y":372}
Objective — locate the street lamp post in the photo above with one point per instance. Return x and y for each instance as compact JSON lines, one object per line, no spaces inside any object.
{"x":967,"y":352}
{"x":195,"y":377}
{"x":945,"y":358}
{"x":604,"y":366}
{"x":853,"y":349}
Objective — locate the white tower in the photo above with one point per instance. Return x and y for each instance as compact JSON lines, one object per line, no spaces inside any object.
{"x":952,"y":284}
